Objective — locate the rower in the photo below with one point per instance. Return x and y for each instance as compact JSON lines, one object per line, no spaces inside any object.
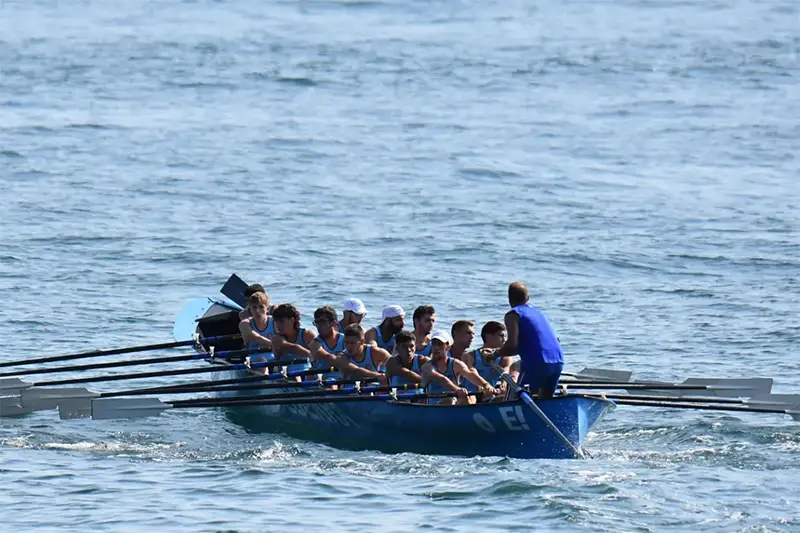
{"x":383,"y":335}
{"x":328,"y":343}
{"x":481,"y":359}
{"x":463,"y":332}
{"x":406,"y":366}
{"x":249,"y":291}
{"x":257,"y":332}
{"x":291,"y":341}
{"x":531,"y":335}
{"x":359,"y":359}
{"x":353,"y":313}
{"x":424,"y":319}
{"x":442,"y":373}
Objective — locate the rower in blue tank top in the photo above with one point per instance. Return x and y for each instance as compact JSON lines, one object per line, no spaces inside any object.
{"x":353,"y":313}
{"x":481,"y":359}
{"x":383,"y":335}
{"x":424,"y":318}
{"x":531,"y":335}
{"x":328,"y":344}
{"x":405,"y":368}
{"x":360,"y":360}
{"x":443,"y":373}
{"x":291,"y":341}
{"x":256,"y":337}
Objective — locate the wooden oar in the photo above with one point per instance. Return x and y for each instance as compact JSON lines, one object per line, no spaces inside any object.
{"x":786,"y":409}
{"x":113,"y":408}
{"x":576,"y":451}
{"x":119,"y":351}
{"x":226,"y":355}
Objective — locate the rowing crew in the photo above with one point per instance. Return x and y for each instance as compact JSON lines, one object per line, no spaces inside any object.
{"x":391,"y":355}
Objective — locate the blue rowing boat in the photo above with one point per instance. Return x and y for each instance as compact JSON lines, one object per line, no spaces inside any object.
{"x":507,"y":429}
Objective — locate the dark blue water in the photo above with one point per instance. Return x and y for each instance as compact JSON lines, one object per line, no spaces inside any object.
{"x":635,"y":162}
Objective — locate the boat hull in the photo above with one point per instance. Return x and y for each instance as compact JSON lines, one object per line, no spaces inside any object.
{"x":509,"y":429}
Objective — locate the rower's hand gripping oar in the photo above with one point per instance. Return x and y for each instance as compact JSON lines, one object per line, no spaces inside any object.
{"x":530,"y":403}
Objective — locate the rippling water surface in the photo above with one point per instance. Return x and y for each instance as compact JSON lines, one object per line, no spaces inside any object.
{"x":635,"y":162}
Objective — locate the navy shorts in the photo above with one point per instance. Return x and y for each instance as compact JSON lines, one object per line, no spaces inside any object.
{"x":542,"y":377}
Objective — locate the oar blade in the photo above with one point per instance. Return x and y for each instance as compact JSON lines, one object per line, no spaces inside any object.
{"x":732,"y":388}
{"x":603,"y":374}
{"x":10,"y":406}
{"x":12,"y":386}
{"x":775,"y":401}
{"x":43,"y":398}
{"x":75,"y":408}
{"x":114,"y":408}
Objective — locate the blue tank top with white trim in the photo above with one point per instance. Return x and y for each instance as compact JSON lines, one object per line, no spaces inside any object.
{"x":268,"y":332}
{"x":387,"y":345}
{"x":434,"y":387}
{"x":367,"y":363}
{"x":485,"y":371}
{"x":289,"y":356}
{"x":426,"y":351}
{"x":415,"y":367}
{"x":333,"y":351}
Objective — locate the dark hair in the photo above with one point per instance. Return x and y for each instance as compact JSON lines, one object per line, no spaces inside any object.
{"x":402,"y":337}
{"x":490,"y":328}
{"x":254,"y":288}
{"x":354,"y":330}
{"x":460,"y":325}
{"x":286,"y":311}
{"x":325,"y":312}
{"x":517,"y":293}
{"x":421,"y":311}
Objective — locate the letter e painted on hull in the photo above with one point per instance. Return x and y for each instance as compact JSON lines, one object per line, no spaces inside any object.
{"x":513,"y":418}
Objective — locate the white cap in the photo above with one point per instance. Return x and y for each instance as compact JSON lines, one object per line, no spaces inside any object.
{"x":393,"y":311}
{"x":356,"y":306}
{"x":442,"y":336}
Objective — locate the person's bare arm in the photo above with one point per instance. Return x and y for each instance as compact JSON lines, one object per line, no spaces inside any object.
{"x":248,"y":335}
{"x":511,"y":346}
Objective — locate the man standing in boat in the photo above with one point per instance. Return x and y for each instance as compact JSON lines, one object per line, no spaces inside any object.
{"x":291,"y":341}
{"x":531,"y":335}
{"x":443,"y":373}
{"x":383,"y":335}
{"x":424,"y":319}
{"x":354,"y":312}
{"x":463,"y":332}
{"x":359,"y":359}
{"x":406,"y":366}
